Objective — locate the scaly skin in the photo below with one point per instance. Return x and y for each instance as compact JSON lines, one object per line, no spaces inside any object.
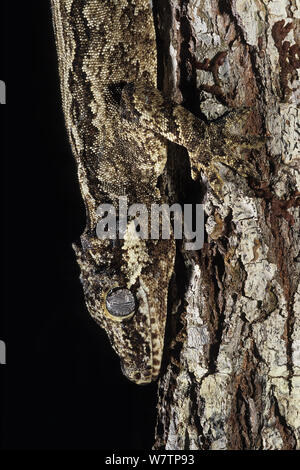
{"x":118,"y":125}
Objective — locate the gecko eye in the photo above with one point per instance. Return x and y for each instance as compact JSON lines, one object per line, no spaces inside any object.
{"x":120,"y":303}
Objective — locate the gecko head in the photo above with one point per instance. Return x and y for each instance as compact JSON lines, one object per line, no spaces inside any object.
{"x":126,"y":290}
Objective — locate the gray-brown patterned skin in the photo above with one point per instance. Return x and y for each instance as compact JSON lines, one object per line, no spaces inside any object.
{"x":101,"y":45}
{"x":118,"y":123}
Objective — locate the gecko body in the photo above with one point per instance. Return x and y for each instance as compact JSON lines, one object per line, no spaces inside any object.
{"x":102,"y":45}
{"x":118,"y":124}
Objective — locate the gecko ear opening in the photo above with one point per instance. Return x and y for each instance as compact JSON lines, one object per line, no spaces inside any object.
{"x":120,"y":304}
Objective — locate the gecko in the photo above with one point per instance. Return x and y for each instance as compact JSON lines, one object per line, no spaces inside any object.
{"x":119,"y":124}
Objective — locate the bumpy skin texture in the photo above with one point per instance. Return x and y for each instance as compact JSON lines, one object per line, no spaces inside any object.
{"x":118,"y":123}
{"x":101,"y":45}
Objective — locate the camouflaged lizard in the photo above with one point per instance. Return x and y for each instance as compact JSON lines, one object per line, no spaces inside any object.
{"x":118,"y":125}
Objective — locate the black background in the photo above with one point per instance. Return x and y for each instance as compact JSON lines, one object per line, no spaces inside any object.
{"x":62,"y":388}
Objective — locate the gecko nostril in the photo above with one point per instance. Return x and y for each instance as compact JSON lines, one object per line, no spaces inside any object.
{"x":120,"y":303}
{"x":140,"y":378}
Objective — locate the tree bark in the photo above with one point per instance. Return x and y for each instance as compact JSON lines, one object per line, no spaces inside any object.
{"x":231,"y":370}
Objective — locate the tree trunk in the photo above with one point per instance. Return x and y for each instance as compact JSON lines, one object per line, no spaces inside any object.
{"x":231,"y":375}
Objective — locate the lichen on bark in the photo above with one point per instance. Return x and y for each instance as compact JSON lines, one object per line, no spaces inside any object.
{"x":231,"y":378}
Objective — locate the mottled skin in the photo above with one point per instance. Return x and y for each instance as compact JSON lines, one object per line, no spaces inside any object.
{"x":118,"y":123}
{"x":102,"y":44}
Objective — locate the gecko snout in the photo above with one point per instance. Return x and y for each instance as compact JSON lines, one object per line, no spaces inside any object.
{"x":138,"y":377}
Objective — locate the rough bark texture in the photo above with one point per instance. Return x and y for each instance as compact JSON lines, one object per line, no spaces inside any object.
{"x":231,"y":377}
